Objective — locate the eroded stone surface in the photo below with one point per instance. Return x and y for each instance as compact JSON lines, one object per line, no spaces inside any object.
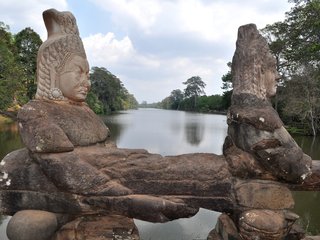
{"x":265,"y":224}
{"x":99,"y":227}
{"x":226,"y":228}
{"x":32,"y":225}
{"x":184,"y":189}
{"x":262,"y":194}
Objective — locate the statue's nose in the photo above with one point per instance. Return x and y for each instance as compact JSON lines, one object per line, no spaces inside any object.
{"x":85,"y":82}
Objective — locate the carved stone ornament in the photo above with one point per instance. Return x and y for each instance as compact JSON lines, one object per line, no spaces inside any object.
{"x":55,"y":94}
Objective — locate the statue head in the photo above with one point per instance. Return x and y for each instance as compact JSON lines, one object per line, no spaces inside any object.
{"x":253,"y":66}
{"x":62,"y":66}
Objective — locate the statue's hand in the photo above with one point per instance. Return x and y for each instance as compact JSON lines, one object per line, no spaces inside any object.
{"x":143,"y":207}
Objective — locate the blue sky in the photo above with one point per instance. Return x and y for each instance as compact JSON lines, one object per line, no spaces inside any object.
{"x":154,"y":45}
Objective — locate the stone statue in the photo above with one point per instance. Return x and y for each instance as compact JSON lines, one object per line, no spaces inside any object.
{"x":51,"y":123}
{"x":254,"y":126}
{"x":70,"y":173}
{"x":62,"y":87}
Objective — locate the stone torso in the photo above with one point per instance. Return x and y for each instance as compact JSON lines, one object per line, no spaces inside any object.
{"x":58,"y":127}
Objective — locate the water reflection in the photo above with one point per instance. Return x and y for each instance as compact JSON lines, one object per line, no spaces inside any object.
{"x":194,"y":133}
{"x":168,"y":132}
{"x":116,"y":127}
{"x":195,"y":228}
{"x":307,"y":207}
{"x":194,"y":130}
{"x":309,"y":145}
{"x":307,"y":203}
{"x":9,"y":138}
{"x":9,"y":141}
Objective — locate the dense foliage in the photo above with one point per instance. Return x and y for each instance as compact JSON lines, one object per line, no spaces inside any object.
{"x":18,"y":62}
{"x":296,"y":44}
{"x":13,"y":73}
{"x":192,"y":98}
{"x":27,"y":43}
{"x":108,"y":93}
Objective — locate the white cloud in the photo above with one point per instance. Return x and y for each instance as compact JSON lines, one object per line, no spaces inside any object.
{"x":211,"y":20}
{"x":152,"y":72}
{"x":141,"y":13}
{"x":106,"y":50}
{"x":28,"y":13}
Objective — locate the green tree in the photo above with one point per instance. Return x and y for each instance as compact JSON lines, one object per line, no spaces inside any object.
{"x":165,"y":103}
{"x":176,"y":98}
{"x":27,"y":43}
{"x":195,"y":87}
{"x":296,"y":44}
{"x":94,"y":103}
{"x":303,"y":32}
{"x":110,"y":92}
{"x":211,"y":103}
{"x":302,"y":101}
{"x":107,"y":88}
{"x":10,"y":73}
{"x":227,"y":87}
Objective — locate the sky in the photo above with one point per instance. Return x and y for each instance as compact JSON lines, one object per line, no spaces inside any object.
{"x":154,"y":46}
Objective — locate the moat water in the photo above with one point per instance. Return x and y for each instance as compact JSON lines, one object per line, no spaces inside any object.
{"x":171,"y":133}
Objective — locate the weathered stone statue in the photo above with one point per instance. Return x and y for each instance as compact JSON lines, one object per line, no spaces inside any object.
{"x":254,"y":126}
{"x":70,"y":175}
{"x":59,"y":120}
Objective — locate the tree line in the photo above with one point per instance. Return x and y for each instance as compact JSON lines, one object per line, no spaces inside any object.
{"x":18,"y":61}
{"x":192,"y":98}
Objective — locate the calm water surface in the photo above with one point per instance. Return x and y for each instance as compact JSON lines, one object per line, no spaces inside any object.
{"x":170,"y":133}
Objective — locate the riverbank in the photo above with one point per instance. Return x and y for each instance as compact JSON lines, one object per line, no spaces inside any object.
{"x":4,"y":120}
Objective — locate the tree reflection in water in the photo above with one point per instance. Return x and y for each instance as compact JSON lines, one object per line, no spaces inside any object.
{"x":194,"y":133}
{"x":9,"y":138}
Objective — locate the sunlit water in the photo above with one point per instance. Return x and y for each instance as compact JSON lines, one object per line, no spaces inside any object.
{"x":171,"y":133}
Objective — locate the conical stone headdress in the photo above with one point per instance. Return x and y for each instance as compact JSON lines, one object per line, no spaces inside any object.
{"x":63,"y":42}
{"x":251,"y":60}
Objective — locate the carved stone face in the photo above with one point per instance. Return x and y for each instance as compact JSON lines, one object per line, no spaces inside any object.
{"x":74,"y":79}
{"x":270,"y":78}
